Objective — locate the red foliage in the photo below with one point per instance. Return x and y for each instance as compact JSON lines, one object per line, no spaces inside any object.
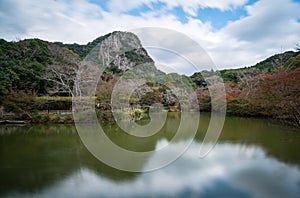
{"x":279,"y":94}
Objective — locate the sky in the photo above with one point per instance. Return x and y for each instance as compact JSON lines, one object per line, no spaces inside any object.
{"x":234,"y":33}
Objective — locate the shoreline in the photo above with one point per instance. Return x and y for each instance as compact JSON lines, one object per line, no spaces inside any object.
{"x":68,"y":119}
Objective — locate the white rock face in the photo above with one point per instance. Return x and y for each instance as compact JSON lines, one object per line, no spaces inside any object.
{"x":118,"y":49}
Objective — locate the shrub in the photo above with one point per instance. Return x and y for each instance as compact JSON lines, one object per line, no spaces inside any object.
{"x":68,"y":118}
{"x":45,"y":118}
{"x":55,"y":118}
{"x":138,"y":114}
{"x":36,"y":118}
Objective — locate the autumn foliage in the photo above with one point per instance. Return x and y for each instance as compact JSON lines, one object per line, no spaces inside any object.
{"x":278,"y":95}
{"x":275,"y":95}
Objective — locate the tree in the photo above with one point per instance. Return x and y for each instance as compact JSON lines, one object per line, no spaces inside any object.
{"x":105,"y":87}
{"x":62,"y":72}
{"x":293,"y":63}
{"x":20,"y":102}
{"x":279,"y":95}
{"x":150,"y":98}
{"x":21,"y":64}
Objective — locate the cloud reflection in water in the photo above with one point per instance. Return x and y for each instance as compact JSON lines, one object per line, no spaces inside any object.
{"x":230,"y":170}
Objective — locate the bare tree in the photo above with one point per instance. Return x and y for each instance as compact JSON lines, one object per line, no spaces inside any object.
{"x":61,"y":73}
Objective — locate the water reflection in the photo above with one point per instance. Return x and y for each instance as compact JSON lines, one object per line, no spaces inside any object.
{"x":253,"y":159}
{"x":230,"y":170}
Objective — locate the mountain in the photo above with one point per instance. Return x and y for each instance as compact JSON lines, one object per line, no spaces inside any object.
{"x":83,"y":50}
{"x":288,"y":60}
{"x":50,"y":68}
{"x":270,"y":88}
{"x":122,"y":51}
{"x":115,"y":40}
{"x":25,"y":65}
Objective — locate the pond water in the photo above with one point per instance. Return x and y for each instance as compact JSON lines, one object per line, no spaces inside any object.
{"x":253,"y":158}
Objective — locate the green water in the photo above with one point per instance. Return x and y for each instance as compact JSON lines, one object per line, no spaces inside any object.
{"x":253,"y":158}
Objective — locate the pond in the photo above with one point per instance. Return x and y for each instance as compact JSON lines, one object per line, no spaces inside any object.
{"x":253,"y":158}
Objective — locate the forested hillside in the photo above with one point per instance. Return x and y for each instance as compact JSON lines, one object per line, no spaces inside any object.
{"x":33,"y":65}
{"x":271,"y":88}
{"x":35,"y":73}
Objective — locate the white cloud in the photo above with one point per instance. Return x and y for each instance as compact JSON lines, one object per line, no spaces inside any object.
{"x":243,"y":169}
{"x":190,"y":6}
{"x":125,"y":5}
{"x":267,"y":19}
{"x":268,"y":26}
{"x":51,"y":20}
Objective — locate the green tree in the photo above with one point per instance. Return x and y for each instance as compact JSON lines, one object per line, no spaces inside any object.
{"x":151,"y":97}
{"x":20,"y":102}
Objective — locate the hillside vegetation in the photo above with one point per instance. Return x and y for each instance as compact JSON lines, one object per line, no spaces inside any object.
{"x":34,"y":74}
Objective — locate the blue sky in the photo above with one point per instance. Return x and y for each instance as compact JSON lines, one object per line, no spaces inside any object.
{"x":217,"y":17}
{"x":234,"y":33}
